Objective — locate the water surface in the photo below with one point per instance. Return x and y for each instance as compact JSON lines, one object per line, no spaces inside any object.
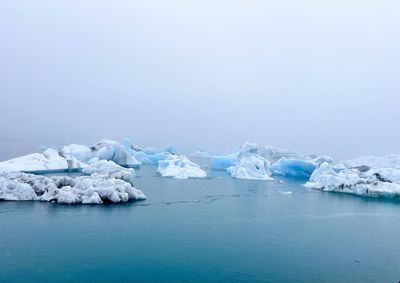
{"x":214,"y":230}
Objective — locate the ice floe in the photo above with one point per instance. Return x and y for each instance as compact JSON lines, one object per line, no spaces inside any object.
{"x":106,"y":182}
{"x":179,"y":167}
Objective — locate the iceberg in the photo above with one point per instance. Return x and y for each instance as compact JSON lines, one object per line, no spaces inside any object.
{"x":148,"y":155}
{"x":112,"y":150}
{"x":277,"y":161}
{"x":375,"y":182}
{"x":250,"y":165}
{"x":179,"y":167}
{"x":298,"y":168}
{"x":77,"y":156}
{"x":388,"y":161}
{"x":49,"y":160}
{"x":106,"y":182}
{"x":293,"y":168}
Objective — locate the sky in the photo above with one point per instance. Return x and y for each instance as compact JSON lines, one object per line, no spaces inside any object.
{"x":315,"y":76}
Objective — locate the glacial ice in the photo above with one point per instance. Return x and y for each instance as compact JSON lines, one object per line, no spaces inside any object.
{"x":250,"y":165}
{"x":107,"y":182}
{"x":179,"y":167}
{"x":148,"y":155}
{"x":48,"y":160}
{"x":77,"y":156}
{"x":112,"y":150}
{"x":277,"y":161}
{"x":359,"y":180}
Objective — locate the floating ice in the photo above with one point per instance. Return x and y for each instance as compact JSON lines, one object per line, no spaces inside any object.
{"x":108,"y":169}
{"x":107,"y":182}
{"x":48,"y":160}
{"x":148,"y":155}
{"x":114,"y":151}
{"x":179,"y":167}
{"x":250,"y":165}
{"x":293,"y":168}
{"x":375,"y":182}
{"x":389,"y":161}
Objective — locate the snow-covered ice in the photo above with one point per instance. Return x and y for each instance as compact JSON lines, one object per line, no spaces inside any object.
{"x":250,"y":165}
{"x":77,"y":156}
{"x":179,"y":167}
{"x":48,"y":160}
{"x":374,"y":182}
{"x":107,"y":182}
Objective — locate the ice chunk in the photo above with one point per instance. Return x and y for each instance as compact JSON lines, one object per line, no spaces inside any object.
{"x":77,"y":151}
{"x":114,"y":151}
{"x":179,"y":167}
{"x":377,"y":182}
{"x":250,"y":165}
{"x":109,"y":169}
{"x":148,"y":155}
{"x":14,"y":190}
{"x":49,"y":160}
{"x":293,"y":168}
{"x":107,"y":182}
{"x":389,"y":161}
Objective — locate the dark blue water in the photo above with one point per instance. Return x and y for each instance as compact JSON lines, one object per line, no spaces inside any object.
{"x":213,"y":230}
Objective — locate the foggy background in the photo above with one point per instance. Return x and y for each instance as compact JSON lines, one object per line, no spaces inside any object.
{"x":316,"y":76}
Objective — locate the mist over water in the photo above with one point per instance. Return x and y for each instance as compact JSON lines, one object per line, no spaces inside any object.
{"x":319,"y":77}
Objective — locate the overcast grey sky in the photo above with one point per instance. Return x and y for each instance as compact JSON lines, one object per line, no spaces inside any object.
{"x":316,"y":76}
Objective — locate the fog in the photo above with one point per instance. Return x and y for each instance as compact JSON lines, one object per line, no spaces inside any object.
{"x":316,"y":76}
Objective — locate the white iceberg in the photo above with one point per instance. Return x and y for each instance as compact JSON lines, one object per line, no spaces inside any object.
{"x":179,"y":167}
{"x":46,"y":161}
{"x":108,"y":169}
{"x":106,"y":183}
{"x":388,"y":161}
{"x":375,"y":182}
{"x":250,"y":165}
{"x":114,"y":151}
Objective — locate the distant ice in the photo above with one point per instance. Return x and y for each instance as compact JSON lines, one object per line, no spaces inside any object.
{"x":277,"y":161}
{"x":106,"y":182}
{"x":179,"y":167}
{"x":76,"y":156}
